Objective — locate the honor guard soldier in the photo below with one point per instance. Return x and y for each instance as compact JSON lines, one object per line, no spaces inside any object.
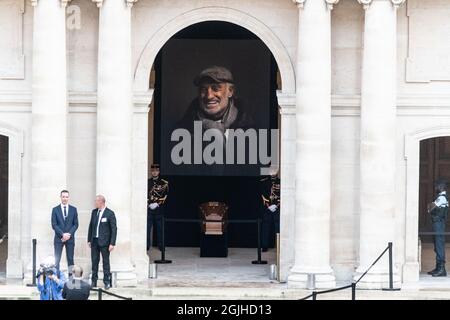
{"x":157,"y":194}
{"x":439,"y":211}
{"x":270,"y":215}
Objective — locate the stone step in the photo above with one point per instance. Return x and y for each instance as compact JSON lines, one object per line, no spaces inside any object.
{"x":18,"y":292}
{"x":143,"y":292}
{"x":200,"y":293}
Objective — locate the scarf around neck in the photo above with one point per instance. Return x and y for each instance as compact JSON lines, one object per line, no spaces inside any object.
{"x":223,"y":124}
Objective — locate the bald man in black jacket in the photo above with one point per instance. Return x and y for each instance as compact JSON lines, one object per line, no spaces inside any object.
{"x":102,"y":236}
{"x":76,"y":288}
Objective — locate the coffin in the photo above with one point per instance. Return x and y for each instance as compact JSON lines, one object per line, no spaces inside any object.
{"x":214,"y":217}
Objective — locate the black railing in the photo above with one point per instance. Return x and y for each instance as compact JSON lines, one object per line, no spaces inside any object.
{"x":33,"y":276}
{"x":199,"y":221}
{"x":100,"y":292}
{"x":388,"y":249}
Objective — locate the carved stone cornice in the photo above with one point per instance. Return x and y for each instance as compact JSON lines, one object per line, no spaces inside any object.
{"x":130,"y":3}
{"x":64,"y":3}
{"x":99,"y":3}
{"x":329,"y":3}
{"x":398,"y":3}
{"x":366,"y":3}
{"x":299,"y":3}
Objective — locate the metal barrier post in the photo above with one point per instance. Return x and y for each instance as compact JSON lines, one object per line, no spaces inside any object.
{"x":353,"y":291}
{"x":259,"y":261}
{"x":311,"y":281}
{"x":163,"y":251}
{"x":391,"y":271}
{"x":33,"y":276}
{"x":100,"y":296}
{"x":114,"y":279}
{"x":314,"y":295}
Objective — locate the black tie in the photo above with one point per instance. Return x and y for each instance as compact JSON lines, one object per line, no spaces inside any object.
{"x":94,"y":235}
{"x":65,"y":212}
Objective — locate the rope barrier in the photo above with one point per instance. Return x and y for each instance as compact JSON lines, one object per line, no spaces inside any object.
{"x":163,"y":259}
{"x":430,"y":233}
{"x":200,"y":220}
{"x":101,"y":291}
{"x":379,"y":257}
{"x":353,"y":285}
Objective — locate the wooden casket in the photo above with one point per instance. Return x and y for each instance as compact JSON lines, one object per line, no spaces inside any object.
{"x":213,"y":239}
{"x":214,"y":216}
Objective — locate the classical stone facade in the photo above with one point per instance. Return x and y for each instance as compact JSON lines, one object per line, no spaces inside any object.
{"x":363,"y":82}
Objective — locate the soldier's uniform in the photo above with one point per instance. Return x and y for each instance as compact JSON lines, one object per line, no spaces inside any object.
{"x":270,"y":194}
{"x":157,"y":193}
{"x":439,"y":219}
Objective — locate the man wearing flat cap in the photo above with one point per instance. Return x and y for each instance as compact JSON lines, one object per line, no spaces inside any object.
{"x":216,"y":105}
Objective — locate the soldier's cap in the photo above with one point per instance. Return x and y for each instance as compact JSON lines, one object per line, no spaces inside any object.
{"x":441,"y":183}
{"x":154,"y":166}
{"x":216,"y":74}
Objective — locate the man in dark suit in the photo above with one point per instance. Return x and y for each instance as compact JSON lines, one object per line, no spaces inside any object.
{"x":102,"y":235}
{"x":76,"y":288}
{"x":64,"y":223}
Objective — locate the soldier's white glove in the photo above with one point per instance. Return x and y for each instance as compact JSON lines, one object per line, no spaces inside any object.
{"x":272,"y":207}
{"x":153,"y":206}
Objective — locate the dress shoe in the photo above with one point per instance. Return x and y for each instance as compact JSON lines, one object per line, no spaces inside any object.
{"x":264,"y":249}
{"x":107,"y":286}
{"x":94,"y":284}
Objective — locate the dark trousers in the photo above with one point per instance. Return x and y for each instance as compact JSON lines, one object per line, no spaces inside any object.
{"x":70,"y":248}
{"x":96,"y":250}
{"x":154,"y":219}
{"x":438,"y":225}
{"x":270,"y":225}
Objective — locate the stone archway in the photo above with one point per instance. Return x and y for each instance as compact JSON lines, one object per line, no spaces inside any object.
{"x":412,"y":158}
{"x":14,"y":263}
{"x":161,"y":36}
{"x":286,"y":99}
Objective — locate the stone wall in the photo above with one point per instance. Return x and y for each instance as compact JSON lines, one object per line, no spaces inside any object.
{"x":423,"y":102}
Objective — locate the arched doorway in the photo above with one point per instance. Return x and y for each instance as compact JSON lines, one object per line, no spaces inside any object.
{"x":15,"y":247}
{"x":434,"y":165}
{"x":144,"y":73}
{"x":207,"y":40}
{"x":263,"y":32}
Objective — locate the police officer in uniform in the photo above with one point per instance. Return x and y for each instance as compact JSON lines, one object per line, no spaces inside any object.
{"x":157,"y":194}
{"x":439,"y":211}
{"x":270,"y":214}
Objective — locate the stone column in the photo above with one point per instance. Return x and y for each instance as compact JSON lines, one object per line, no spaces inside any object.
{"x":377,"y":149}
{"x":287,"y":103}
{"x":49,"y":118}
{"x":312,"y":217}
{"x":114,"y":118}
